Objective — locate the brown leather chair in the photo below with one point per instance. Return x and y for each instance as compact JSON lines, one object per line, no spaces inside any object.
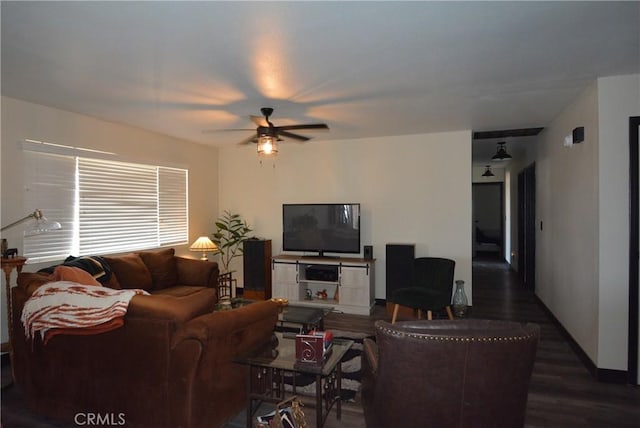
{"x":443,"y":373}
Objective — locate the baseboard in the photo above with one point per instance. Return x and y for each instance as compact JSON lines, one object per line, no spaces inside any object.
{"x":612,"y":376}
{"x":381,"y":302}
{"x":601,"y":375}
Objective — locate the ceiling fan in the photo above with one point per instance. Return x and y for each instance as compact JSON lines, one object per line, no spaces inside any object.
{"x":267,"y":134}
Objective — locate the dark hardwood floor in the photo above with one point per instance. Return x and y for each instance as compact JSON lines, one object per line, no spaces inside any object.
{"x":562,"y":392}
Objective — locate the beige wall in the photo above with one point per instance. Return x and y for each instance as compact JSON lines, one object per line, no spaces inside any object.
{"x":22,"y":120}
{"x":582,"y":197}
{"x":414,"y":188}
{"x":567,"y":203}
{"x":618,"y":99}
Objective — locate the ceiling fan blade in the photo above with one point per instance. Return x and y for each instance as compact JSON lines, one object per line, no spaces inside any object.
{"x":260,"y":121}
{"x":250,"y":139}
{"x":293,"y":136}
{"x":307,"y":126}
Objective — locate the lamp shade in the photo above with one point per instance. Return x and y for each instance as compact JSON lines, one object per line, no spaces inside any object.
{"x":501,"y":153}
{"x":267,"y":145}
{"x":488,"y":172}
{"x":204,"y":245}
{"x":41,"y":224}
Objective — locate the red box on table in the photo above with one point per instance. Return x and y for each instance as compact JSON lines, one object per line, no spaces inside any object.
{"x":313,"y":347}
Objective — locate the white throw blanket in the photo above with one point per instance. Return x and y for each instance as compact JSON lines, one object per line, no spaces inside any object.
{"x":65,"y":304}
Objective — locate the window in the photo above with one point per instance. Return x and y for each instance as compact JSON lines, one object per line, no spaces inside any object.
{"x":104,"y":206}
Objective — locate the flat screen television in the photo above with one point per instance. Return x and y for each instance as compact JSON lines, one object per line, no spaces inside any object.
{"x":321,"y":228}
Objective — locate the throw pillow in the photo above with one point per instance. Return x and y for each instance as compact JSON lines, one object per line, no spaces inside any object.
{"x":95,"y":265}
{"x":74,"y":274}
{"x":163,"y":268}
{"x":130,"y":271}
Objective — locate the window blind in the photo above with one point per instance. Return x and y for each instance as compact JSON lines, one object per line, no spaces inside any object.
{"x":173,"y":206}
{"x":118,"y":206}
{"x":50,"y":187}
{"x":104,"y":206}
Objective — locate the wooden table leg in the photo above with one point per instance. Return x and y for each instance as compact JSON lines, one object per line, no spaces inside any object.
{"x":7,"y":284}
{"x":8,"y":264}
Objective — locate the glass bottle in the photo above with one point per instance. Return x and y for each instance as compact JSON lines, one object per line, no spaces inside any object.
{"x":460,"y":301}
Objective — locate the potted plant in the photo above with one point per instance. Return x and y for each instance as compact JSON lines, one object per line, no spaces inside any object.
{"x":231,"y":232}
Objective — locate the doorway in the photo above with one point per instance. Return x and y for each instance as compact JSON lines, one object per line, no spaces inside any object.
{"x":488,"y":219}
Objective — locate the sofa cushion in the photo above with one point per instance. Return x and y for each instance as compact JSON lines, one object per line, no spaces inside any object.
{"x":130,"y":271}
{"x":178,"y":291}
{"x":74,"y":274}
{"x":94,"y":265}
{"x":176,"y":308}
{"x":162,"y":265}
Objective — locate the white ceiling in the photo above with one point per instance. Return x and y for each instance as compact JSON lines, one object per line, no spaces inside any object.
{"x":364,"y":68}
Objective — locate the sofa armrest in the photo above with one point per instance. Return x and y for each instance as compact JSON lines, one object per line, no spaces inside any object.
{"x":370,"y":356}
{"x":31,"y":281}
{"x":203,"y":369}
{"x":197,"y":272}
{"x":173,"y":308}
{"x":221,"y":324}
{"x":369,"y":367}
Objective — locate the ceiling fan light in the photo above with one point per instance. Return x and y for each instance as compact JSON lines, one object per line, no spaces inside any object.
{"x":267,"y":145}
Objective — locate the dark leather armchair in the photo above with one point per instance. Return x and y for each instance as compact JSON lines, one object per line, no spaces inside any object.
{"x":431,"y":288}
{"x":442,"y":373}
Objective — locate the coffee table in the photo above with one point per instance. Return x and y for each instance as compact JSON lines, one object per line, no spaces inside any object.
{"x":269,"y":364}
{"x":307,"y":316}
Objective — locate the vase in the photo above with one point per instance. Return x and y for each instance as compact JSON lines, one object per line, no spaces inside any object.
{"x":460,"y":301}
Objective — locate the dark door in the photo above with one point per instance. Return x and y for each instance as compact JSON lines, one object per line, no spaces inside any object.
{"x":527,"y":226}
{"x":488,"y":219}
{"x":634,"y":250}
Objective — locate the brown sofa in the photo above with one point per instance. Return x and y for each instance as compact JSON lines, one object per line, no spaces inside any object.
{"x":170,"y":365}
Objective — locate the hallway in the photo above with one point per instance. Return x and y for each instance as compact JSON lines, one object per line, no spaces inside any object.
{"x":562,"y":392}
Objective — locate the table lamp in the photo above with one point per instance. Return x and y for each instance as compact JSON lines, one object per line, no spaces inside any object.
{"x":204,"y":245}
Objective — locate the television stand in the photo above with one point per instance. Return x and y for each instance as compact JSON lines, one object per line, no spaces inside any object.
{"x":346,"y":283}
{"x":319,"y":256}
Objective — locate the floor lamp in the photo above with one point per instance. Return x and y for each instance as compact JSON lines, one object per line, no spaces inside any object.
{"x":41,"y":225}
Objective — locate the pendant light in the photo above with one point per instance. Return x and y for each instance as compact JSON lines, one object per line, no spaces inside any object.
{"x":488,"y":172}
{"x":501,"y":153}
